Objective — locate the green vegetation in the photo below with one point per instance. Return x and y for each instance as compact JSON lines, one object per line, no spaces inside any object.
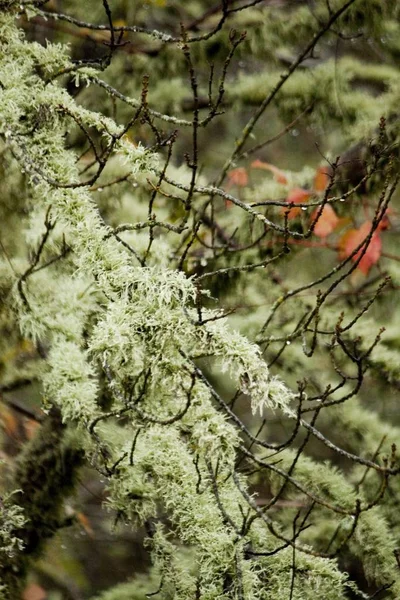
{"x":198,"y":280}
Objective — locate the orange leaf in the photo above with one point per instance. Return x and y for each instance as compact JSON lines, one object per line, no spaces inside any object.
{"x":327,"y":221}
{"x":343,"y":222}
{"x":30,"y":427}
{"x":353,"y":238}
{"x":322,"y":178}
{"x":278,"y":174}
{"x":296,"y":196}
{"x":238,"y":177}
{"x":8,"y":421}
{"x":33,"y":591}
{"x":84,"y":521}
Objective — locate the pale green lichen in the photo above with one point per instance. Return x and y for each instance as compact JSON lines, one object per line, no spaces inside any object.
{"x":107,"y":320}
{"x":12,"y":520}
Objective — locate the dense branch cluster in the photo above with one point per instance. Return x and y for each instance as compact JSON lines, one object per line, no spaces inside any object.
{"x":163,"y":296}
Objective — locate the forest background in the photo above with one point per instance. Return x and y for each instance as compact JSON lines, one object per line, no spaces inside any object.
{"x":199,"y":274}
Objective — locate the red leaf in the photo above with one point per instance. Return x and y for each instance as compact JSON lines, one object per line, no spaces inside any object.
{"x":353,"y":238}
{"x":384,"y":223}
{"x":296,"y":196}
{"x":327,"y":221}
{"x":322,"y":178}
{"x":238,"y":177}
{"x":278,"y":174}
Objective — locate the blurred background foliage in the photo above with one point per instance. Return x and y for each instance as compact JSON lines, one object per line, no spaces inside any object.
{"x":331,"y":105}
